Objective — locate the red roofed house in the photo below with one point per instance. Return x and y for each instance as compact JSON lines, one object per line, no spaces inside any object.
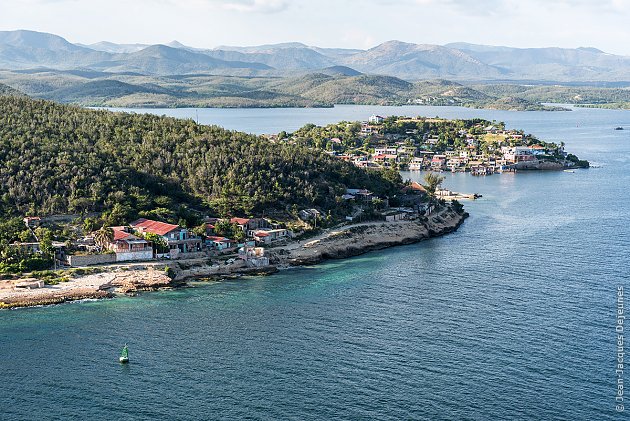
{"x":178,"y":239}
{"x":221,"y":243}
{"x":270,"y":236}
{"x":249,"y":225}
{"x":129,"y":247}
{"x":32,"y":221}
{"x":415,"y":187}
{"x":438,"y":162}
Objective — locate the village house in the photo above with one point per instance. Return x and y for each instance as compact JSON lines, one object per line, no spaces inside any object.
{"x":309,"y":214}
{"x":178,"y":239}
{"x":416,"y":164}
{"x":129,"y":247}
{"x":249,"y":225}
{"x":360,"y":195}
{"x":32,"y":221}
{"x":369,"y":129}
{"x":376,"y":119}
{"x":254,"y":256}
{"x":538,"y":150}
{"x":415,"y":187}
{"x":335,"y":141}
{"x":386,"y":150}
{"x":517,"y":154}
{"x":28,"y":247}
{"x":266,"y":237}
{"x":490,"y":129}
{"x":380,"y":158}
{"x":221,"y":244}
{"x":456,"y":163}
{"x":438,"y":162}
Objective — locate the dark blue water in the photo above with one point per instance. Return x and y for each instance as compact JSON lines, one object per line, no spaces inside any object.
{"x":511,"y":317}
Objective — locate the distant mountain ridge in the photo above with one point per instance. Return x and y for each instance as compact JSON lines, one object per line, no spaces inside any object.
{"x":22,"y":49}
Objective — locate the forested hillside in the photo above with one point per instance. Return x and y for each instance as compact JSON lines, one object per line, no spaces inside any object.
{"x":63,"y":159}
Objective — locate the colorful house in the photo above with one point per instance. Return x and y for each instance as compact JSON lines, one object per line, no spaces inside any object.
{"x":129,"y":247}
{"x":221,"y":244}
{"x":178,"y":239}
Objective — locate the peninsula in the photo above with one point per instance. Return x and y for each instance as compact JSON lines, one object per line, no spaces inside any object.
{"x":477,"y":146}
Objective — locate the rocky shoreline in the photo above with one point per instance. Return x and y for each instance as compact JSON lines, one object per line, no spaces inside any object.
{"x":95,"y":286}
{"x":364,"y":238}
{"x":344,"y":242}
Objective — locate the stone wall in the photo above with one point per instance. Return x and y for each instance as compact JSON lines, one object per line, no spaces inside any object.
{"x":134,"y":255}
{"x":192,"y":255}
{"x":91,"y":259}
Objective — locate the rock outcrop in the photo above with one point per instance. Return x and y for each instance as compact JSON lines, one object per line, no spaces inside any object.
{"x":363,"y":238}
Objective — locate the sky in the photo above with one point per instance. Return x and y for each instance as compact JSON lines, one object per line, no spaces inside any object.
{"x":604,"y":24}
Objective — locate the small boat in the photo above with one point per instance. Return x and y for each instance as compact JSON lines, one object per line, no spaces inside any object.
{"x":124,"y":355}
{"x":571,"y":171}
{"x":619,"y":128}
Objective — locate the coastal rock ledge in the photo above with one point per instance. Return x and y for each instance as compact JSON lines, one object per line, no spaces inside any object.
{"x":95,"y":286}
{"x":362,"y":238}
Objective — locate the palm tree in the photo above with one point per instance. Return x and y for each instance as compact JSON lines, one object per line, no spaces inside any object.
{"x":433,"y":183}
{"x":104,"y":237}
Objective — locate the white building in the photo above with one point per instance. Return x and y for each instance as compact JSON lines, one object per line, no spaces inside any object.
{"x":376,"y":119}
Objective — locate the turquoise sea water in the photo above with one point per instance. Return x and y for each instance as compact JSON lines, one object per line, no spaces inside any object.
{"x":511,"y":317}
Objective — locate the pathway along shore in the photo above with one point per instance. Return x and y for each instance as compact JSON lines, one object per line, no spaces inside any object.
{"x":346,"y":241}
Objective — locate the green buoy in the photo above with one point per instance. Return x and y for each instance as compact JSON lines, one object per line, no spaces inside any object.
{"x":124,"y":355}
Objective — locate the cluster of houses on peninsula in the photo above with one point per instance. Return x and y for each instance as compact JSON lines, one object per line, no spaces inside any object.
{"x":431,"y":144}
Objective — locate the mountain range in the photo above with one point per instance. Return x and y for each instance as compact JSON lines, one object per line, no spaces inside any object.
{"x":22,"y":50}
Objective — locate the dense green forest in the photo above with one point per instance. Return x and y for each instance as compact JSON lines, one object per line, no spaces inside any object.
{"x":57,"y":159}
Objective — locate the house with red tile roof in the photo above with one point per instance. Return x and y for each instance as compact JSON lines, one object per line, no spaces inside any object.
{"x":32,"y":221}
{"x":269,"y":236}
{"x":178,"y":239}
{"x":249,"y":225}
{"x":130,"y":247}
{"x":221,"y":243}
